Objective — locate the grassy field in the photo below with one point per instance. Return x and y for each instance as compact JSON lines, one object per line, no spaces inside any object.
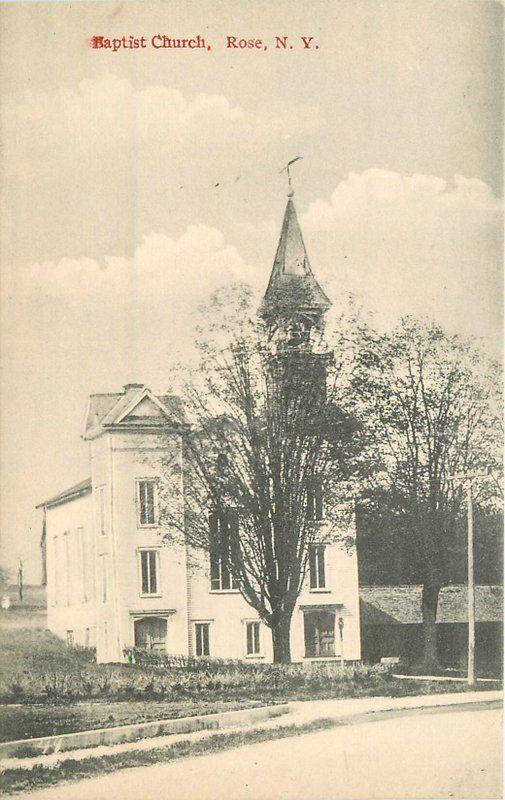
{"x":48,"y":688}
{"x":33,"y":720}
{"x":28,"y":613}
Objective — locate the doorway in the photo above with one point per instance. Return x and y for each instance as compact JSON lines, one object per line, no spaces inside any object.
{"x":319,"y":633}
{"x":151,"y":633}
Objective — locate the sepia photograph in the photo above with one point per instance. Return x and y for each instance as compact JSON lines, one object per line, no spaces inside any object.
{"x":251,"y":331}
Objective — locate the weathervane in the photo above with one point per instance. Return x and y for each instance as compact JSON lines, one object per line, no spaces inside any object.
{"x":286,"y":169}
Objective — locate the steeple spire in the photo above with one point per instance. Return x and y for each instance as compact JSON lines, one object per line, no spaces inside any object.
{"x":293,"y":291}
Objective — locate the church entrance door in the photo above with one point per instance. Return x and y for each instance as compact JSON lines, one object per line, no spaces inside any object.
{"x":151,"y":633}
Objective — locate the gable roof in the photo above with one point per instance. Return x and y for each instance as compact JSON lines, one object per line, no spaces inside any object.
{"x":78,"y":490}
{"x":111,"y":410}
{"x":292,"y":284}
{"x":382,"y":605}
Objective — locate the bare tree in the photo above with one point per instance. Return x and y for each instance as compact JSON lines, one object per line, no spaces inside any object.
{"x":431,"y":407}
{"x":271,"y":451}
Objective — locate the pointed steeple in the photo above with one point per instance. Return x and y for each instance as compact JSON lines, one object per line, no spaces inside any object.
{"x":293,"y":290}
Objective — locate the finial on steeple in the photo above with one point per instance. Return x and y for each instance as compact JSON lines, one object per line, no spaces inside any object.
{"x":286,"y":169}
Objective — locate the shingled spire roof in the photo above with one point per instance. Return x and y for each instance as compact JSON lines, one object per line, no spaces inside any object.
{"x":292,"y":285}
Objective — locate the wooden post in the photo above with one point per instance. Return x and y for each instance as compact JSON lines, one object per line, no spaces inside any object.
{"x":471,"y":589}
{"x":467,"y":479}
{"x":20,"y":580}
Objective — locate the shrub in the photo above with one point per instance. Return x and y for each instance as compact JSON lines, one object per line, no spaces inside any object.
{"x":63,"y":674}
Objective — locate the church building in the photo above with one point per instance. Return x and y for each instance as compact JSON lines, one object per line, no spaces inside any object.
{"x":112,"y":581}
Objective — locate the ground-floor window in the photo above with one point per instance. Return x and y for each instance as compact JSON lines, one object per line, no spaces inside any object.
{"x":253,"y":638}
{"x":151,"y":633}
{"x":319,"y":628}
{"x":202,"y":639}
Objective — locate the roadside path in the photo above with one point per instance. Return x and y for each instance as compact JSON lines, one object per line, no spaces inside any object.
{"x":302,"y":713}
{"x":449,"y":753}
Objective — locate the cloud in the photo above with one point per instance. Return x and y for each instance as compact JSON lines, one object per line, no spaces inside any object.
{"x":118,"y":316}
{"x":107,"y":161}
{"x":108,"y":111}
{"x":196,"y":263}
{"x":402,"y":244}
{"x":413,"y":245}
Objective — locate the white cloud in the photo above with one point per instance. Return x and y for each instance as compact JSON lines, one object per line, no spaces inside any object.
{"x":413,"y":245}
{"x":167,"y":271}
{"x":108,"y":111}
{"x":403,"y":245}
{"x":145,"y":307}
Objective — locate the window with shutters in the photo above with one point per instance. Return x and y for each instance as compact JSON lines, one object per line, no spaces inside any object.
{"x":317,"y":567}
{"x":253,"y":647}
{"x":221,"y":578}
{"x":149,"y":578}
{"x":147,"y":503}
{"x":315,"y":502}
{"x":202,"y":639}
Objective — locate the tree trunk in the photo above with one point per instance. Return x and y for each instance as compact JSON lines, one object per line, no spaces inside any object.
{"x":281,"y":640}
{"x":429,"y":604}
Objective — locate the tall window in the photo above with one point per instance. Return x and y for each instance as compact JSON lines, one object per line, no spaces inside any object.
{"x":70,"y":638}
{"x":317,"y":567}
{"x":202,"y":639}
{"x":315,"y":505}
{"x":220,"y":526}
{"x":253,"y":638}
{"x":66,"y":540}
{"x":56,"y":571}
{"x":103,"y":578}
{"x":148,"y":572}
{"x":89,"y":554}
{"x":101,"y":509}
{"x":82,"y":560}
{"x":147,"y":502}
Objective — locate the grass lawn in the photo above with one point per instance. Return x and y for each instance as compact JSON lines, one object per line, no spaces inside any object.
{"x":29,"y":721}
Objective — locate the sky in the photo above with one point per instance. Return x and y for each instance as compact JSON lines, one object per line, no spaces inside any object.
{"x":136,"y":183}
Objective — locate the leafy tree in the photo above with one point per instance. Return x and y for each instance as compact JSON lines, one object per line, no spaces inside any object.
{"x":267,"y":426}
{"x":431,"y":406}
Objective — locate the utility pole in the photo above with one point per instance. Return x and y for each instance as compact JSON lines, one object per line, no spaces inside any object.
{"x":471,"y":586}
{"x":467,"y":480}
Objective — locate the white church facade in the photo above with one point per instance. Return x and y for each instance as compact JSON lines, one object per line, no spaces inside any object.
{"x":114,"y":581}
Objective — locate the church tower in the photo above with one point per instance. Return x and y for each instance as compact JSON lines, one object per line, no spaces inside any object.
{"x":293,"y":311}
{"x":294,"y":304}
